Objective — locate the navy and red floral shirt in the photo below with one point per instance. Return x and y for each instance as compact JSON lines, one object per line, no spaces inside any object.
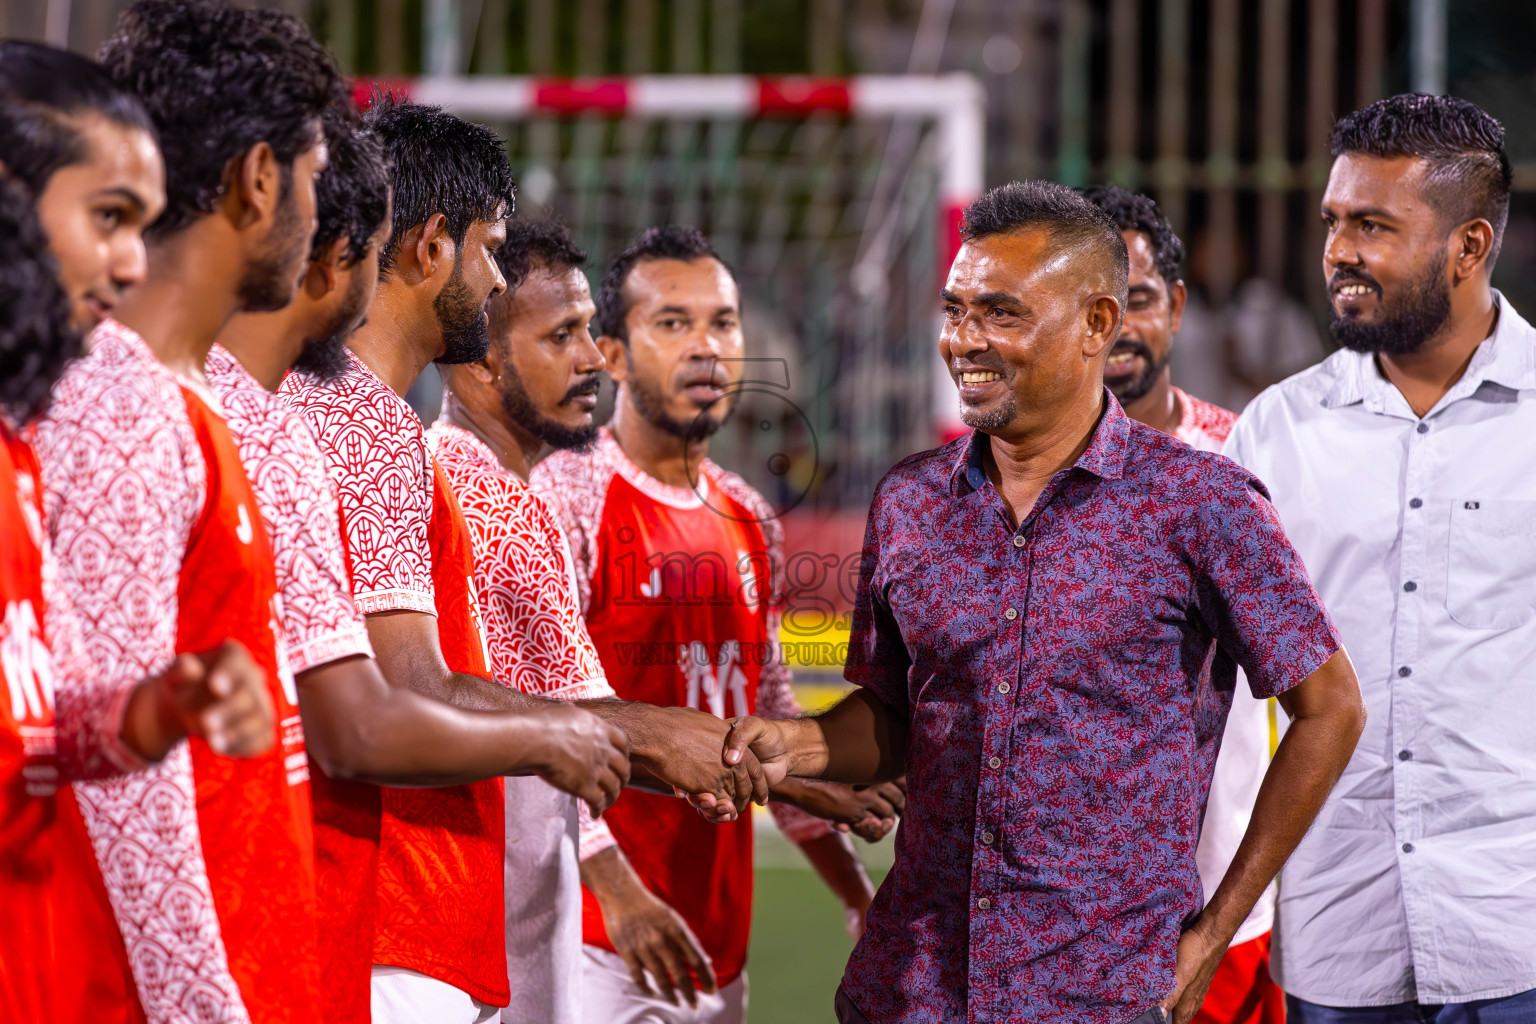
{"x":1066,"y":683}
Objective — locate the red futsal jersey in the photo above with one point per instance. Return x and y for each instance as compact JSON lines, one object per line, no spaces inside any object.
{"x":28,"y":773}
{"x":320,"y":625}
{"x":205,"y":863}
{"x":681,"y":593}
{"x":439,"y":876}
{"x":254,"y":813}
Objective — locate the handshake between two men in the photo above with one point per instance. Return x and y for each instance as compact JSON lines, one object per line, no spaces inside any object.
{"x":720,"y":766}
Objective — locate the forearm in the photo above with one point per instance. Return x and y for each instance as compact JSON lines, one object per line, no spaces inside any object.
{"x":359,"y":727}
{"x":648,"y":727}
{"x":610,"y":877}
{"x":1305,"y":768}
{"x":858,"y":741}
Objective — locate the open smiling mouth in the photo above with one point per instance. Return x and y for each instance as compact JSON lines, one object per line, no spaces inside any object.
{"x":979,"y":377}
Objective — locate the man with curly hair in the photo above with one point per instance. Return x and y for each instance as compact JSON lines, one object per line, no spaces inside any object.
{"x":202,"y":867}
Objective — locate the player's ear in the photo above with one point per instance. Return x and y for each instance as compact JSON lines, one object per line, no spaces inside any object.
{"x":1178,"y":295}
{"x":1103,"y":323}
{"x":253,"y":185}
{"x":616,"y":355}
{"x":434,"y":248}
{"x":324,"y":266}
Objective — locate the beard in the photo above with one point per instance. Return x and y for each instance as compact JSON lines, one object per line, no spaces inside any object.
{"x":519,"y":407}
{"x":1130,"y":390}
{"x":1417,"y":313}
{"x":325,"y":358}
{"x":273,"y":276}
{"x":651,"y":404}
{"x":466,"y":335}
{"x":997,"y":419}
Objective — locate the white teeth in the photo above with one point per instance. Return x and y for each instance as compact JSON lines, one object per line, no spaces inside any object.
{"x":981,"y":377}
{"x":1355,"y":289}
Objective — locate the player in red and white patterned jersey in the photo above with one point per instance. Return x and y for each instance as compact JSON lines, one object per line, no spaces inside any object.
{"x":162,"y":548}
{"x":437,"y":945}
{"x":526,"y":583}
{"x":42,"y":744}
{"x":680,"y":567}
{"x":359,"y":728}
{"x":1138,"y":374}
{"x":535,"y":386}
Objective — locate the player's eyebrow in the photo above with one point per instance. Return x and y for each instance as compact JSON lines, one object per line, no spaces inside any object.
{"x":127,"y":194}
{"x":1003,"y":299}
{"x":672,"y":311}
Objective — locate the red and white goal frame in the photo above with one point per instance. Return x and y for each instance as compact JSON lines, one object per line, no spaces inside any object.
{"x":954,"y":103}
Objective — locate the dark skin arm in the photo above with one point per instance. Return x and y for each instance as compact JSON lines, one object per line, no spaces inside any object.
{"x":676,"y":746}
{"x":1327,"y":716}
{"x":870,"y":812}
{"x":403,"y":721}
{"x":858,"y":741}
{"x":652,"y":939}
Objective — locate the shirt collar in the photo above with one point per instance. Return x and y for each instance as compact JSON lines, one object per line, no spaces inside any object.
{"x":1104,"y":457}
{"x":1507,"y":358}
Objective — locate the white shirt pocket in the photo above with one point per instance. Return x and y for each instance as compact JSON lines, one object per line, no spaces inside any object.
{"x":1491,"y":564}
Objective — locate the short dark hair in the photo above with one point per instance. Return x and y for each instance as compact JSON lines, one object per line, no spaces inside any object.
{"x":530,"y":242}
{"x":42,"y":92}
{"x":1469,"y":172}
{"x":36,"y":339}
{"x":1072,"y":221}
{"x":1133,"y":211}
{"x":672,"y":242}
{"x":352,"y":193}
{"x":218,"y":79}
{"x":439,"y":164}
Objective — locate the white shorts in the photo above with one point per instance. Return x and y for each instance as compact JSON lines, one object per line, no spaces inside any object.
{"x":609,"y":996}
{"x":401,"y":996}
{"x":543,"y":892}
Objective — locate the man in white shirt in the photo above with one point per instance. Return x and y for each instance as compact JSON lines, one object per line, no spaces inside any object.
{"x":1403,"y":470}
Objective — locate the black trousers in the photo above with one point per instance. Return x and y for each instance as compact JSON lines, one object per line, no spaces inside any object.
{"x":847,"y":1013}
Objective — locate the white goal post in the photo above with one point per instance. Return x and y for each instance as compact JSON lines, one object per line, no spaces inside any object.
{"x":953,"y":103}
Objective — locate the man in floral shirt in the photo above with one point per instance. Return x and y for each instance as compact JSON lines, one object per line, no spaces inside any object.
{"x":1049,"y":618}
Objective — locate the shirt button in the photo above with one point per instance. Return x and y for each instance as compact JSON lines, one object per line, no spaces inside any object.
{"x":986,"y":838}
{"x":1423,"y":428}
{"x":1405,"y":755}
{"x":1405,"y":671}
{"x":1416,"y":503}
{"x":1410,"y":586}
{"x":1003,"y":687}
{"x":984,"y":903}
{"x":1407,"y":847}
{"x":1018,"y":540}
{"x":994,"y":762}
{"x":1011,"y":613}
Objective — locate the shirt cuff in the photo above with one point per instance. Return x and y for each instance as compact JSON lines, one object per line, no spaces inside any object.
{"x":397,"y":599}
{"x":798,"y":826}
{"x":329,"y":647}
{"x":594,"y":833}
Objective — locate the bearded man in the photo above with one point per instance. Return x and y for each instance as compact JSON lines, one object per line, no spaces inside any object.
{"x":1396,"y":466}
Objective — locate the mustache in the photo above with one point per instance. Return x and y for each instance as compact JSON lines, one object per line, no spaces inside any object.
{"x":589,"y":386}
{"x":1350,"y":275}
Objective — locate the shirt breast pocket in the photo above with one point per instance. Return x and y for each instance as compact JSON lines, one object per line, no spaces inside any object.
{"x":1491,"y":564}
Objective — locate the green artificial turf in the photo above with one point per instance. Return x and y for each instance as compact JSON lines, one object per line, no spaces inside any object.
{"x":799,"y":943}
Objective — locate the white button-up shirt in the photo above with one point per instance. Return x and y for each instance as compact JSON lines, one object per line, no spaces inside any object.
{"x":1418,"y":881}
